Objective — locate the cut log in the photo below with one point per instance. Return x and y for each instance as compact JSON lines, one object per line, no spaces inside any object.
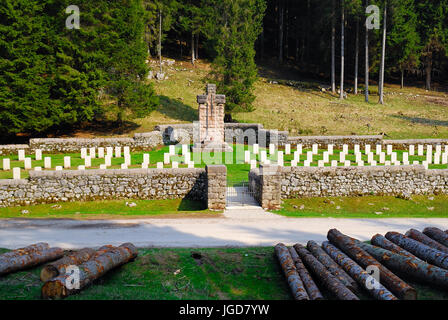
{"x":310,"y":286}
{"x":423,"y":238}
{"x":326,"y":277}
{"x":437,"y":234}
{"x":58,"y":267}
{"x":376,"y":289}
{"x":28,"y":257}
{"x":332,"y":266}
{"x":348,"y":245}
{"x":289,"y":269}
{"x":413,"y":267}
{"x":61,"y":286}
{"x":380,"y":241}
{"x":419,"y":249}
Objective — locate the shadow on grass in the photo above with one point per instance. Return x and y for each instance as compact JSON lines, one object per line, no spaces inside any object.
{"x":191,"y":205}
{"x":176,"y":109}
{"x":425,"y":121}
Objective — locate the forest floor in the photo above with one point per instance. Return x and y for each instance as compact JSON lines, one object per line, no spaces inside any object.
{"x":182,"y":273}
{"x":285,"y":101}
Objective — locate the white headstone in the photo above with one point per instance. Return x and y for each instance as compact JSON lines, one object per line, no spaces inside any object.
{"x":103,"y":167}
{"x":382,"y":157}
{"x":345,"y":148}
{"x":429,"y":157}
{"x":326,"y":156}
{"x":416,"y":162}
{"x":81,"y":168}
{"x":175,"y":164}
{"x":370,"y":157}
{"x":124,"y":166}
{"x":411,"y":150}
{"x":367,"y":148}
{"x":37,"y":168}
{"x":108,"y":161}
{"x":330,"y":149}
{"x":100,"y":152}
{"x":309,"y":156}
{"x":87,"y":162}
{"x":342,"y":157}
{"x":67,"y":162}
{"x":436,"y":158}
{"x":405,"y":157}
{"x":358,"y":156}
{"x":256,"y":148}
{"x":58,"y":168}
{"x":287,"y":148}
{"x":127,"y":159}
{"x":21,"y":155}
{"x":92,"y":153}
{"x":356,"y":148}
{"x":187,"y":157}
{"x":38,"y":154}
{"x":315,"y":148}
{"x":378,"y":149}
{"x":296,"y":156}
{"x":389,"y":149}
{"x":425,"y":164}
{"x":172,"y":150}
{"x":159,"y":165}
{"x":110,"y":152}
{"x":299,"y":148}
{"x":429,"y":149}
{"x":306,"y":163}
{"x":347,"y":163}
{"x":253,"y":164}
{"x":6,"y":164}
{"x":373,"y":163}
{"x":27,"y":163}
{"x":47,"y":163}
{"x":117,"y":152}
{"x":191,"y":164}
{"x":246,"y":156}
{"x":320,"y":163}
{"x":16,"y":173}
{"x":166,"y":158}
{"x":360,"y":163}
{"x":144,"y":165}
{"x":334,"y":163}
{"x":263,"y":156}
{"x":393,"y":157}
{"x":146,"y":158}
{"x":420,"y":150}
{"x":444,"y":158}
{"x":280,"y":158}
{"x":184,"y":149}
{"x":439,"y":149}
{"x":387,"y":163}
{"x":271,"y":148}
{"x":126,"y":150}
{"x":83,"y":153}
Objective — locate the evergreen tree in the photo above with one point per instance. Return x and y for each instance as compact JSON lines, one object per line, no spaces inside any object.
{"x":234,"y":26}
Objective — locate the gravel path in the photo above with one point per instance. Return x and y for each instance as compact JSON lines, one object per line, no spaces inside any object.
{"x":239,"y":227}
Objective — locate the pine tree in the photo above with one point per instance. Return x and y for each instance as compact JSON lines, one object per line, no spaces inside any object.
{"x":234,"y":26}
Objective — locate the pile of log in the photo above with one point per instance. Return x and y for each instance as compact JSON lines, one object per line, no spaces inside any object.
{"x":347,"y":269}
{"x":58,"y":274}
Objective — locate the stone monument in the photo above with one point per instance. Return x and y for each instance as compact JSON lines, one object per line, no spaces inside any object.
{"x":211,"y":122}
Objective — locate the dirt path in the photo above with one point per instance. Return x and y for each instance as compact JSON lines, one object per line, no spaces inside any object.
{"x":239,"y":227}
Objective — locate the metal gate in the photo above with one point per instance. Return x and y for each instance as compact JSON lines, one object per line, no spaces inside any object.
{"x":240,"y":194}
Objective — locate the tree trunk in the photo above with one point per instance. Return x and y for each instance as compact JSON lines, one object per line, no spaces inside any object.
{"x":383,"y":56}
{"x":420,"y":250}
{"x":332,"y":266}
{"x":333,"y":48}
{"x":280,"y":30}
{"x":90,"y":271}
{"x":437,"y":234}
{"x":380,"y":241}
{"x":402,"y":79}
{"x":341,"y":94}
{"x":425,"y":239}
{"x":366,"y":91}
{"x":197,"y":47}
{"x":289,"y":269}
{"x":326,"y":277}
{"x":428,"y":74}
{"x":378,"y":291}
{"x":286,"y":23}
{"x":28,"y":257}
{"x":160,"y":41}
{"x":414,"y":268}
{"x":262,"y":44}
{"x":310,"y":286}
{"x":397,"y":286}
{"x":192,"y":49}
{"x":356,"y":56}
{"x":56,"y":268}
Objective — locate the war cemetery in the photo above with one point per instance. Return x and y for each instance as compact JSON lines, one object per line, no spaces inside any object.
{"x":194,"y":180}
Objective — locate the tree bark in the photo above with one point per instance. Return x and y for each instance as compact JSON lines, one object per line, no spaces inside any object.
{"x":356,"y":56}
{"x":58,"y":267}
{"x":428,"y":74}
{"x":197,"y":47}
{"x":366,"y":91}
{"x":289,"y":269}
{"x":160,"y":40}
{"x":402,"y":79}
{"x":333,"y":47}
{"x":341,"y":94}
{"x":383,"y":56}
{"x":438,"y":235}
{"x":280,"y":30}
{"x":28,"y":257}
{"x":420,"y":250}
{"x":326,"y":277}
{"x":397,"y":286}
{"x":413,"y":267}
{"x":380,"y":241}
{"x":377,"y":290}
{"x":425,"y":239}
{"x":90,"y":271}
{"x":332,"y":266}
{"x":192,"y":49}
{"x":310,"y":286}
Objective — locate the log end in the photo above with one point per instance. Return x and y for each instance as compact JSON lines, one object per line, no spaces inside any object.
{"x":48,"y":272}
{"x":54,"y":289}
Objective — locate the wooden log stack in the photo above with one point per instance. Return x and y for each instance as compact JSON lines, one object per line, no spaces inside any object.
{"x":343,"y":264}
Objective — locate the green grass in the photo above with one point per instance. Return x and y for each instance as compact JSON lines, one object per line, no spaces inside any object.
{"x":366,"y":207}
{"x":249,"y":273}
{"x":173,"y":274}
{"x":111,"y":209}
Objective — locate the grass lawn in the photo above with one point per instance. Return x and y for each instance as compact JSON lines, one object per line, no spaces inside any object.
{"x":303,"y":109}
{"x":367,"y":207}
{"x":112,"y":209}
{"x":171,"y":274}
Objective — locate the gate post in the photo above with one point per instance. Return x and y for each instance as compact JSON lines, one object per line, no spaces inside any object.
{"x":216,"y":186}
{"x":270,"y":193}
